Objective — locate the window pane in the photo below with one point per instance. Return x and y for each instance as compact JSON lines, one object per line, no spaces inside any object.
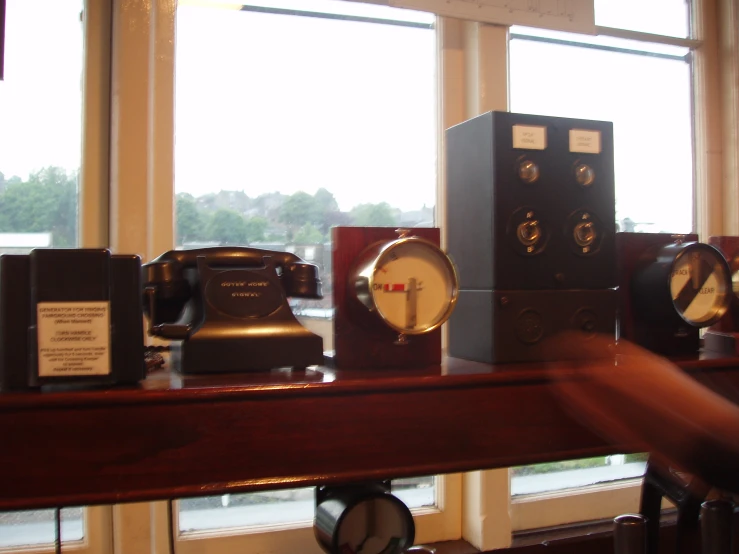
{"x":281,"y":507}
{"x":538,"y":478}
{"x":40,"y":110}
{"x":37,"y":527}
{"x":648,"y":99}
{"x":246,"y":510}
{"x":660,"y":17}
{"x":40,"y":151}
{"x":289,"y":123}
{"x":272,"y":108}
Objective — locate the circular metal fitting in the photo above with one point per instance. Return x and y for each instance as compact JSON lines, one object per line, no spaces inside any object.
{"x":585,"y":233}
{"x":529,"y":232}
{"x":584,"y":175}
{"x":528,"y":171}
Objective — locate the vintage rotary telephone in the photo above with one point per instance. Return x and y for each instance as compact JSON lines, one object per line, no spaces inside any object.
{"x":226,"y":308}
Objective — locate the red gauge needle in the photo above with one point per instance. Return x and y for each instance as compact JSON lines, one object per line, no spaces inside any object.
{"x":397,"y":287}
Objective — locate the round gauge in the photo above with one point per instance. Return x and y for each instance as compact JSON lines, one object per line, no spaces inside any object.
{"x":409,"y":283}
{"x":374,"y":526}
{"x":700,"y":284}
{"x":682,"y":283}
{"x":363,"y":520}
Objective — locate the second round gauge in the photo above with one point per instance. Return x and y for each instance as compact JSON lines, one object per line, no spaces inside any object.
{"x":700,"y":284}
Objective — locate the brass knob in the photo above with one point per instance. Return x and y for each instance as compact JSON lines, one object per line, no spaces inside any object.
{"x":584,"y":175}
{"x":529,"y":232}
{"x":528,"y":171}
{"x":584,"y":233}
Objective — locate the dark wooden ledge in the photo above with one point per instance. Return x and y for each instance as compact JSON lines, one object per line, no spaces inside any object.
{"x":186,"y":436}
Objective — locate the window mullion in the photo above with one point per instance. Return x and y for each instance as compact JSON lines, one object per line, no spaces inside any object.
{"x":94,"y":171}
{"x":473,"y":71}
{"x":646,"y":37}
{"x":487,"y":518}
{"x":473,"y":79}
{"x":162,"y":129}
{"x":728,"y":11}
{"x":709,"y":204}
{"x":142,"y":128}
{"x":99,"y":529}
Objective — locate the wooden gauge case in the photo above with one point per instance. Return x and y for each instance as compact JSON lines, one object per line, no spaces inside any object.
{"x":723,"y":336}
{"x":361,"y":339}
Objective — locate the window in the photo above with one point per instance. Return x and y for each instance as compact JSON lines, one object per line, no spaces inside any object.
{"x":318,"y":113}
{"x":296,"y":139}
{"x":645,"y":88}
{"x":660,"y":17}
{"x":83,"y":530}
{"x":469,"y":60}
{"x":41,"y":114}
{"x":37,"y":527}
{"x":290,"y":506}
{"x":42,"y":155}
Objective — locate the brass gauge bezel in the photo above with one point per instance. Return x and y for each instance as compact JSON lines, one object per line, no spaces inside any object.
{"x":362,"y":280}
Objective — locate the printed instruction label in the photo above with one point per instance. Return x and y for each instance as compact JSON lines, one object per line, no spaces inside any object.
{"x":585,"y":142}
{"x":73,"y":338}
{"x":529,"y":137}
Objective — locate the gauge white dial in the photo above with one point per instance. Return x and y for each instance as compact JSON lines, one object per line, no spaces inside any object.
{"x":413,"y":286}
{"x":699,"y":285}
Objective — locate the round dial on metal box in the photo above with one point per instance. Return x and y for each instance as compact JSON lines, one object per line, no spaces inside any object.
{"x":690,"y":279}
{"x":409,"y":283}
{"x":700,"y":284}
{"x":363,"y":521}
{"x":373,"y":526}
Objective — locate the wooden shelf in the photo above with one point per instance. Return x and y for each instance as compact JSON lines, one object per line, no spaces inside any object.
{"x":177,"y":436}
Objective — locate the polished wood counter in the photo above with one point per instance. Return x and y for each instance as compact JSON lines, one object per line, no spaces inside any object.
{"x":177,"y":436}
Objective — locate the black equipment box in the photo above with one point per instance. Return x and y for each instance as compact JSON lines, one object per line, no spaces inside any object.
{"x":70,"y":316}
{"x":531,"y":228}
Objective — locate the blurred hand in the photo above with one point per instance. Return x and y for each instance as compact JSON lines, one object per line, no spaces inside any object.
{"x":633,"y":397}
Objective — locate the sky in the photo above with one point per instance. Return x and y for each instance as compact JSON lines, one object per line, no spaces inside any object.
{"x":343,"y":105}
{"x":40,"y":106}
{"x":271,"y":103}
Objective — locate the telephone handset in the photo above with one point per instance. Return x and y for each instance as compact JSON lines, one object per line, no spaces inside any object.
{"x":227,"y":310}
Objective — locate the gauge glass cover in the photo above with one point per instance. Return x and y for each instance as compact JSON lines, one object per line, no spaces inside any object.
{"x":414,"y":286}
{"x":699,"y":285}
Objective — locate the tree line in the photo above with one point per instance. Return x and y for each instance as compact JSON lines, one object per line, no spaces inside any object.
{"x":44,"y":203}
{"x":232,"y":217}
{"x":47,"y":202}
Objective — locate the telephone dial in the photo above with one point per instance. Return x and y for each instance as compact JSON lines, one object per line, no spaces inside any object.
{"x":226,"y":308}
